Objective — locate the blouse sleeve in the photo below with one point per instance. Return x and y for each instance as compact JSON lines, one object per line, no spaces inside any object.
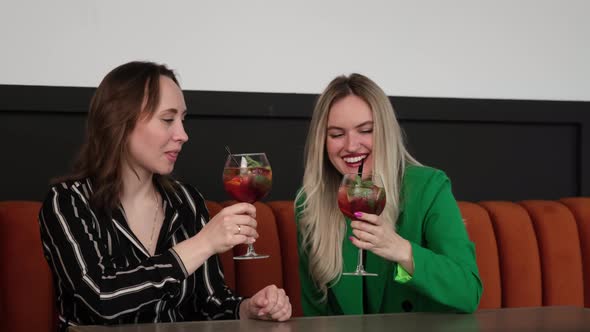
{"x":213,"y":300}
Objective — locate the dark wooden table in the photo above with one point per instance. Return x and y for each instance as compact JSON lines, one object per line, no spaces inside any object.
{"x":517,"y":319}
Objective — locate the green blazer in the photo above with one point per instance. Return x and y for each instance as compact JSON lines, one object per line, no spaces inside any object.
{"x":445,"y":279}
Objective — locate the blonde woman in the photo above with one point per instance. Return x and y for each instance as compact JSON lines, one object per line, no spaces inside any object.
{"x":418,"y":246}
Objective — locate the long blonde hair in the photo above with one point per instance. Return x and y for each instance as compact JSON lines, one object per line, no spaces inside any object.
{"x":321,"y":222}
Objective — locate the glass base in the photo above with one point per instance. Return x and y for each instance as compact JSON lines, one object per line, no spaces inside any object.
{"x":250,"y":255}
{"x":361,"y":273}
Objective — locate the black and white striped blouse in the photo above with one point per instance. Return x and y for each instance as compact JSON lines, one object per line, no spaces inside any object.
{"x":104,"y":275}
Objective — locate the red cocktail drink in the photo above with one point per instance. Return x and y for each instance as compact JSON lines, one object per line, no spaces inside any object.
{"x":361,"y":193}
{"x":247,"y":177}
{"x":361,"y":197}
{"x":247,"y":184}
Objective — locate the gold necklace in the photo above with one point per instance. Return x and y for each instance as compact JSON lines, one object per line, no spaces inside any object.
{"x":155,"y":222}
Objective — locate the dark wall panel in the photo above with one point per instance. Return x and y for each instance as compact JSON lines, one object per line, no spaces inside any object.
{"x":500,"y":161}
{"x":36,"y":147}
{"x":204,"y":155}
{"x":491,"y":149}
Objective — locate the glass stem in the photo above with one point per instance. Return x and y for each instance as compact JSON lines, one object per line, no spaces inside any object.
{"x":359,"y":266}
{"x":250,"y":249}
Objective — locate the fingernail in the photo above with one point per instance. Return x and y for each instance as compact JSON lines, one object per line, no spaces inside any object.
{"x":350,"y":238}
{"x":358,"y":214}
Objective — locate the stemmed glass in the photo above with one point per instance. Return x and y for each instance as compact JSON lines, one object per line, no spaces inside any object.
{"x":247,"y":177}
{"x":361,"y":193}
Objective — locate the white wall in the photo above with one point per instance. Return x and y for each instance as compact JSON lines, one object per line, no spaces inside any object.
{"x":528,"y":49}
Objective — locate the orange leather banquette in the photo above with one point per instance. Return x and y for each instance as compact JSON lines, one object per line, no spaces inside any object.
{"x":529,"y":253}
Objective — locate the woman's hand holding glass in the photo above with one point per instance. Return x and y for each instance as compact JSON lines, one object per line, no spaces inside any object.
{"x":233,"y":225}
{"x":372,"y":233}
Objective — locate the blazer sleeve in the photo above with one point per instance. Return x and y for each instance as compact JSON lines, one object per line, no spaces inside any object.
{"x":445,"y":268}
{"x":77,"y":250}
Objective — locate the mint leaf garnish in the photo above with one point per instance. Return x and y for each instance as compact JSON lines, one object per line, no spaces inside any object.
{"x":252,"y":162}
{"x":358,"y":181}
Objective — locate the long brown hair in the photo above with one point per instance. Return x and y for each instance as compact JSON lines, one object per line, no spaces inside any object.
{"x":115,"y":109}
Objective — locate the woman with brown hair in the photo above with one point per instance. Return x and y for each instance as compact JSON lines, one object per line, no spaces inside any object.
{"x":127,"y":243}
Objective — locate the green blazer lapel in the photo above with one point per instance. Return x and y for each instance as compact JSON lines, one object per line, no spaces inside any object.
{"x":376,"y":285}
{"x":349,"y":289}
{"x":385,"y":270}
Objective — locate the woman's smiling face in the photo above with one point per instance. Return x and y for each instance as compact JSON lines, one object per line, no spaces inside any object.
{"x":349,"y":135}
